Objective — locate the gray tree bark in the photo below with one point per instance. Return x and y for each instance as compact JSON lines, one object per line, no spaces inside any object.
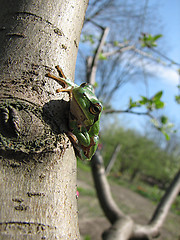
{"x":37,"y":161}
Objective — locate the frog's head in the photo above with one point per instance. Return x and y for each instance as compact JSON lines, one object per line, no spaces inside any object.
{"x":85,"y":107}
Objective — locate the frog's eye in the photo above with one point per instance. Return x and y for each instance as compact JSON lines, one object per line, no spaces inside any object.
{"x":88,"y":86}
{"x":95,"y":108}
{"x":83,"y":84}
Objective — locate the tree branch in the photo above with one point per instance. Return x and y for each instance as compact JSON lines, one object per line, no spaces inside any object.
{"x":120,"y":50}
{"x":110,"y":208}
{"x":120,"y":230}
{"x":165,"y":57}
{"x":123,"y":227}
{"x":160,"y":214}
{"x":92,"y":64}
{"x":113,"y":159}
{"x":123,"y":47}
{"x":108,"y":111}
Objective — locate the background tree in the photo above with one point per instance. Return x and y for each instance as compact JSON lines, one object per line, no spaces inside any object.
{"x":139,"y":155}
{"x":124,"y":227}
{"x":38,"y":165}
{"x":126,"y":21}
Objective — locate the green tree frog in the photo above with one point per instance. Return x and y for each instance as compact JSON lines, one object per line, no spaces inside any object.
{"x":84,"y":116}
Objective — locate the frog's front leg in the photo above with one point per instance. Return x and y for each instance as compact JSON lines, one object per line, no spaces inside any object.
{"x":61,"y":80}
{"x":83,"y":138}
{"x":81,"y":133}
{"x":60,"y":71}
{"x":79,"y":150}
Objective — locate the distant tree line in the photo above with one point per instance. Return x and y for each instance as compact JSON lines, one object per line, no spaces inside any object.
{"x":139,"y":156}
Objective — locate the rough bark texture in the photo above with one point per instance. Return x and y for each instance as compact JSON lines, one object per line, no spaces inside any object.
{"x":38,"y":165}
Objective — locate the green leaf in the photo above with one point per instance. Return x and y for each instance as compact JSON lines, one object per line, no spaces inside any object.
{"x":102,"y":57}
{"x":158,"y":95}
{"x":116,"y":43}
{"x":153,"y":44}
{"x":144,"y":100}
{"x":95,"y":85}
{"x":157,"y":37}
{"x":164,"y":119}
{"x":133,"y":104}
{"x":147,"y":40}
{"x":156,"y":100}
{"x":166,"y":135}
{"x":88,"y":37}
{"x":159,"y":104}
{"x":177,"y":98}
{"x":143,"y":45}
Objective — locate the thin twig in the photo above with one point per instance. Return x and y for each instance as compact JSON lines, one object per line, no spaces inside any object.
{"x":120,"y":50}
{"x":109,"y":111}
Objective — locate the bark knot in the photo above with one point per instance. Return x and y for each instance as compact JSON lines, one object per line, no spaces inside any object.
{"x":23,"y":129}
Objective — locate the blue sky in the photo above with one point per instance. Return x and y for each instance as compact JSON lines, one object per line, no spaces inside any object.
{"x":167,"y":79}
{"x":170,"y":13}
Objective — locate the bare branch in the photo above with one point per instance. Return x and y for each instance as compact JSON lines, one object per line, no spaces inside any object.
{"x":108,"y":205}
{"x":160,"y":214}
{"x":123,"y":227}
{"x":113,"y":159}
{"x":91,"y":72}
{"x":108,"y":111}
{"x":97,"y":8}
{"x":120,"y":230}
{"x":165,"y":57}
{"x":125,"y":48}
{"x":120,"y":50}
{"x":166,"y":202}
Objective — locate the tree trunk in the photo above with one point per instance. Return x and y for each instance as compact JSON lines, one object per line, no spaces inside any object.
{"x":38,"y":165}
